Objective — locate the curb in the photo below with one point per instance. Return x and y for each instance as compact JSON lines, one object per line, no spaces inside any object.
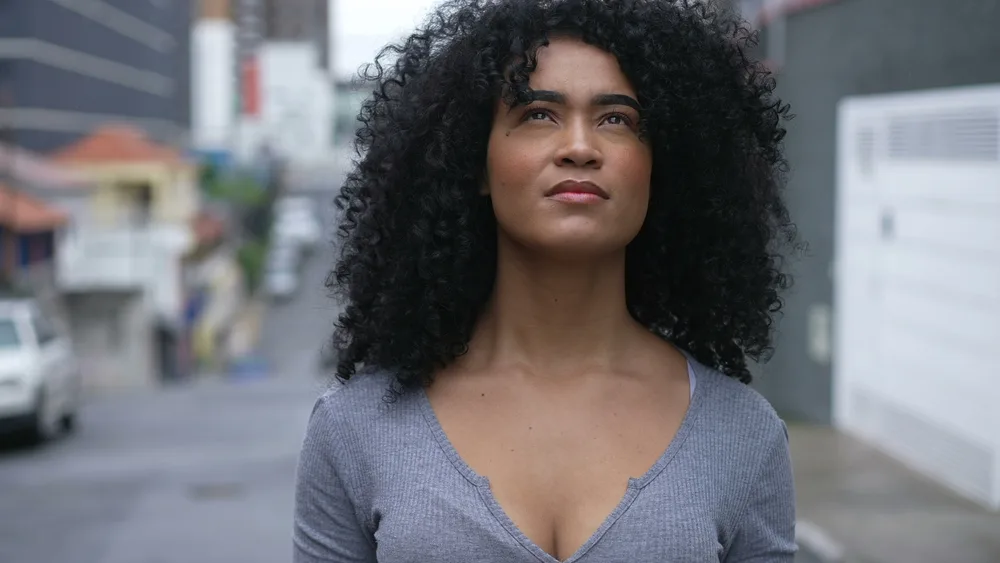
{"x":816,"y":545}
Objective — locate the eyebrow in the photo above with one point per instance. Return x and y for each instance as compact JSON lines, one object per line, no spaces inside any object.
{"x":554,"y":97}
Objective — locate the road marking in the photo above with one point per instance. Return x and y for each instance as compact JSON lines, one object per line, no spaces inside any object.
{"x":818,"y":542}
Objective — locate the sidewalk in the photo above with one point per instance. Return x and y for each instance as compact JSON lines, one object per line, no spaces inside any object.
{"x":858,"y":505}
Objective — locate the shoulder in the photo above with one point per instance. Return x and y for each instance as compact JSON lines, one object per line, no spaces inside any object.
{"x":345,"y":403}
{"x":746,"y":443}
{"x":737,"y":413}
{"x":357,"y":428}
{"x":361,"y":417}
{"x":364,"y":409}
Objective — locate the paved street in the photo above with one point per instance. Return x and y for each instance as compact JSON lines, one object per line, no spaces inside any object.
{"x":295,"y":332}
{"x":200,"y":473}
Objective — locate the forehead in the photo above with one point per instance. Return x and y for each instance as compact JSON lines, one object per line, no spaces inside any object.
{"x":575,"y":68}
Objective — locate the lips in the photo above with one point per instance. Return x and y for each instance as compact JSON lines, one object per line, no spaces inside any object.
{"x":583,"y":187}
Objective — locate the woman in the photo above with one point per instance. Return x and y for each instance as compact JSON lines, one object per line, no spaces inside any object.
{"x":560,"y":248}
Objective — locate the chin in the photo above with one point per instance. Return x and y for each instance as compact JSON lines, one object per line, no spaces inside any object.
{"x":578,"y":243}
{"x":568,"y":237}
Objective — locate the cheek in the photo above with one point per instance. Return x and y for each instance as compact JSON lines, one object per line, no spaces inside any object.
{"x":636,"y":173}
{"x":509,"y":173}
{"x":638,"y":165}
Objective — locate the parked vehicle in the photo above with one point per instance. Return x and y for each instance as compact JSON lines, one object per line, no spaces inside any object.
{"x":40,"y":381}
{"x":281,"y":284}
{"x":294,"y":204}
{"x":296,"y":221}
{"x":281,"y":273}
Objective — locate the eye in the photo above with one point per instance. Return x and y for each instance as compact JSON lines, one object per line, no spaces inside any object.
{"x":536,"y":115}
{"x":617,"y":119}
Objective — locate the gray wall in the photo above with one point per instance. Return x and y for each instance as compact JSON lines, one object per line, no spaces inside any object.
{"x":113,"y":338}
{"x":845,"y":48}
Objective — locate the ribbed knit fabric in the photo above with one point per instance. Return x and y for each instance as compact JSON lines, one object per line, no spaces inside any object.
{"x":381,"y":482}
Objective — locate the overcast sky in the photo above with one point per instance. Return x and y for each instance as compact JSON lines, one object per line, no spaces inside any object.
{"x":362,"y":27}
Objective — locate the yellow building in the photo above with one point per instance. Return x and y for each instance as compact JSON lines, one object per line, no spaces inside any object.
{"x":126,"y":251}
{"x":138,"y":182}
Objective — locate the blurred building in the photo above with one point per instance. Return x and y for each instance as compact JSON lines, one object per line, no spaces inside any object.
{"x":252,"y":56}
{"x":214,"y":81}
{"x":299,"y":20}
{"x":121,"y":266}
{"x":248,"y":18}
{"x":895,"y":185}
{"x":257,"y":21}
{"x":67,"y":67}
{"x":284,"y":89}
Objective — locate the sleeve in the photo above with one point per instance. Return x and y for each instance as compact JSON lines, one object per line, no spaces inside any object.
{"x":326,"y":526}
{"x":767,"y":528}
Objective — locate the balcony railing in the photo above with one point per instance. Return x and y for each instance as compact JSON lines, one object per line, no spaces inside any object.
{"x":113,"y":259}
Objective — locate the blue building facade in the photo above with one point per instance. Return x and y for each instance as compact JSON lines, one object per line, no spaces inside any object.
{"x":67,"y":67}
{"x":20,"y":250}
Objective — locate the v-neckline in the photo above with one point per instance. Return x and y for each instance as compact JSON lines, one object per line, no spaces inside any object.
{"x":635,"y":485}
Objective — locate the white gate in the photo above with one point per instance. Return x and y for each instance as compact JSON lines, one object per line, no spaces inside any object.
{"x":917,"y":281}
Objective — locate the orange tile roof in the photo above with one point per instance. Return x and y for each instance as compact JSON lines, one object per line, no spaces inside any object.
{"x":27,"y":167}
{"x":117,"y":143}
{"x":22,"y":213}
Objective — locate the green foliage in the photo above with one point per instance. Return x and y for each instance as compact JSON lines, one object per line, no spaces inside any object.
{"x":233,"y":186}
{"x":238,"y":189}
{"x":251,"y":200}
{"x":209,"y":174}
{"x":252,"y":257}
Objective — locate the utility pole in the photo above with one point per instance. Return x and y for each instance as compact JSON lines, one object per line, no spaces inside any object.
{"x":6,"y":184}
{"x":6,"y":136}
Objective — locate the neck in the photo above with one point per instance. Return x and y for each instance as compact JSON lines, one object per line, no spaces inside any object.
{"x":554,"y":317}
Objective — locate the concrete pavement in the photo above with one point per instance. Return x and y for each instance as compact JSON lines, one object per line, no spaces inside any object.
{"x":293,"y":333}
{"x":199,"y":473}
{"x":872,"y":509}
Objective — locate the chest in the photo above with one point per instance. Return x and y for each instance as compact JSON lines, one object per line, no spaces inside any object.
{"x":439,"y":514}
{"x":559,"y":472}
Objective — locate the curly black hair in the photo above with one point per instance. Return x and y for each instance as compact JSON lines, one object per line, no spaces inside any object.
{"x":418,"y":254}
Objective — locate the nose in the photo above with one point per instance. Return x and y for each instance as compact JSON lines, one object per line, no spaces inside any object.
{"x":578,"y":148}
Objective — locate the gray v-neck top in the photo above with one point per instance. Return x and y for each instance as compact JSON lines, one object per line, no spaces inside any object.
{"x":381,"y":482}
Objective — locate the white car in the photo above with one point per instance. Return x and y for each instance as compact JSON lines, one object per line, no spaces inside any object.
{"x":298,"y":228}
{"x":281,"y":272}
{"x":295,"y":221}
{"x":40,"y":382}
{"x":294,"y":204}
{"x":281,"y":284}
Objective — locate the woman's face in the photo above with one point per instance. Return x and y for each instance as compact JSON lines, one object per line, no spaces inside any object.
{"x":567,"y":171}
